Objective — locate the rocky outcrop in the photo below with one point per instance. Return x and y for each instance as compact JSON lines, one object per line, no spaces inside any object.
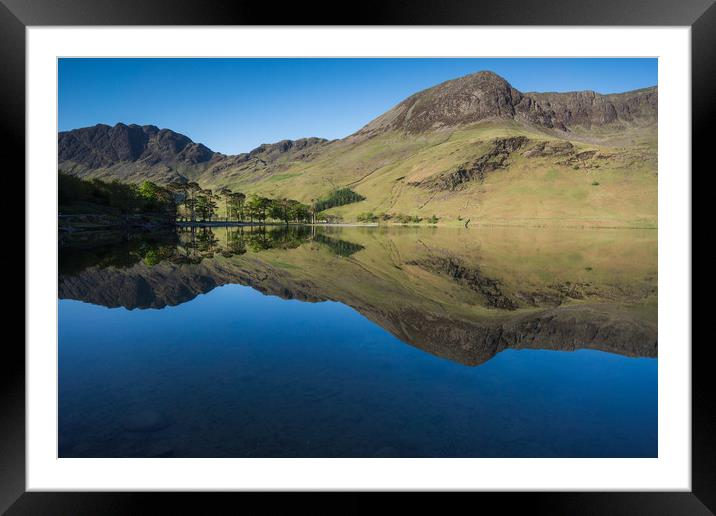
{"x":486,"y":95}
{"x":589,"y":109}
{"x":549,"y":148}
{"x":495,"y":158}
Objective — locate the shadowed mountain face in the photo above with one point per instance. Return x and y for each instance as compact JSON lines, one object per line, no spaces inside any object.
{"x":135,"y":153}
{"x":103,"y":145}
{"x":463,"y":302}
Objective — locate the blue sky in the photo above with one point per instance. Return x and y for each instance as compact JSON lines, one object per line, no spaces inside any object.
{"x":233,"y":105}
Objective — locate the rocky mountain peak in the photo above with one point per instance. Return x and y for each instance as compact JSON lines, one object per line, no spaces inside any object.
{"x":103,"y":145}
{"x":459,"y":101}
{"x":485,"y":95}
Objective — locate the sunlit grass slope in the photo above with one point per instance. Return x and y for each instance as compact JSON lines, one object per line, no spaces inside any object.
{"x":617,"y":188}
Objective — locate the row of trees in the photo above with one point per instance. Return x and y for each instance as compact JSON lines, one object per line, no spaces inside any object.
{"x":189,"y":201}
{"x":203,"y":204}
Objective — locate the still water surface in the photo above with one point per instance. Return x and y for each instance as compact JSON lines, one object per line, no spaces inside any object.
{"x":359,"y":342}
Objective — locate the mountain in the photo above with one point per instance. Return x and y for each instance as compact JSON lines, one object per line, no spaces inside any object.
{"x":103,"y":145}
{"x":486,"y":95}
{"x":134,"y":153}
{"x":130,"y":152}
{"x":470,"y":148}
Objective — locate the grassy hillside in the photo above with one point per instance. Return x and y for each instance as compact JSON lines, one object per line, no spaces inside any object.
{"x":607,"y":180}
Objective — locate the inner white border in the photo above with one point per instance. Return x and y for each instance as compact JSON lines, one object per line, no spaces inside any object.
{"x":670,"y":471}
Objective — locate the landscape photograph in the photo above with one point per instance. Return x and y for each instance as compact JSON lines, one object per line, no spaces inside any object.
{"x":357,"y":257}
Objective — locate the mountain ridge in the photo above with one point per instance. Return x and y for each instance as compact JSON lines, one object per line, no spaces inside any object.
{"x":430,"y":154}
{"x":96,"y":146}
{"x":484,"y":94}
{"x":101,"y":145}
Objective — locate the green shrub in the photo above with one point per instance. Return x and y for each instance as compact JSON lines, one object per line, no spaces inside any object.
{"x":406,"y":219}
{"x":367,"y":216}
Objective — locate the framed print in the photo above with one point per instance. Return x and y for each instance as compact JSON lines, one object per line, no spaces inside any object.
{"x":432,"y":250}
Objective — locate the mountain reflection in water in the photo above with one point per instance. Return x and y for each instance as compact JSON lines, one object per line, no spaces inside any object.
{"x":324,"y":342}
{"x":460,"y":294}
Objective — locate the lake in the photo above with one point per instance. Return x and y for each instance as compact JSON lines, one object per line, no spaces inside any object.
{"x":358,"y":342}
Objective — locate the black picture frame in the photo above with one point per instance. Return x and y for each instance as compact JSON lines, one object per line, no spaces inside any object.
{"x":16,"y":15}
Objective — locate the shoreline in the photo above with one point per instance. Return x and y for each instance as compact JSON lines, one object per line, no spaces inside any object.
{"x":74,"y":223}
{"x":418,"y":225}
{"x":256,"y":224}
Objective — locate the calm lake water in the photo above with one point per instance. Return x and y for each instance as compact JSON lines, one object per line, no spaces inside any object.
{"x":359,"y":342}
